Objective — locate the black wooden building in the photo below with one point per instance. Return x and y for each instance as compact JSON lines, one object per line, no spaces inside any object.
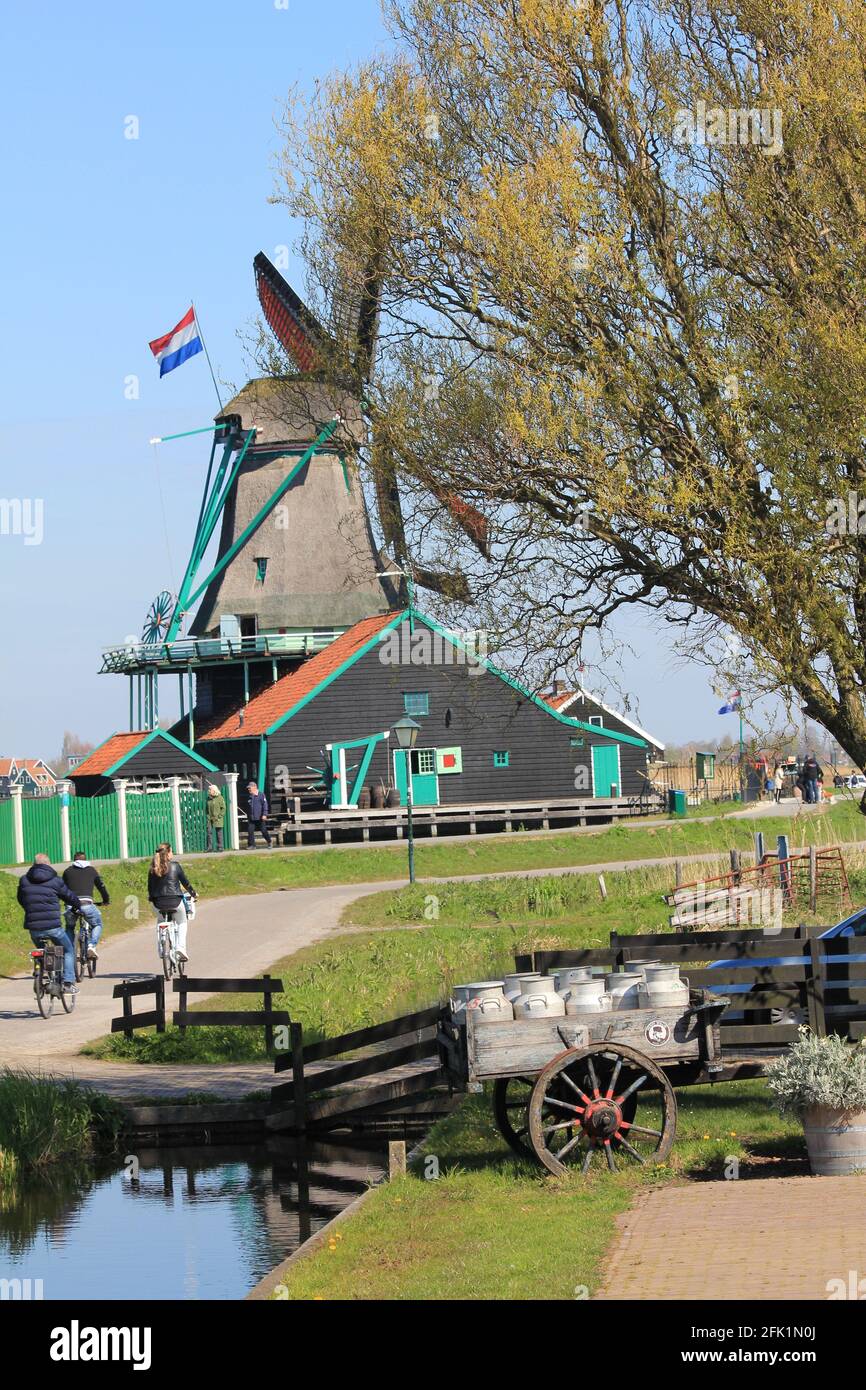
{"x":483,"y":736}
{"x":144,"y":756}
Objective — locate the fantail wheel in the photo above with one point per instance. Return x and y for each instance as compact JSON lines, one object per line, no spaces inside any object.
{"x":158,"y":618}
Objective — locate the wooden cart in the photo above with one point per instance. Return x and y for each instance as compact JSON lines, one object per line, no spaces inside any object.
{"x":568,"y":1089}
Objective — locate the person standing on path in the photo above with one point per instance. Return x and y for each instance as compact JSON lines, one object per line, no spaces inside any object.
{"x":216,"y":817}
{"x":82,"y":878}
{"x":39,"y":893}
{"x":257,"y":816}
{"x":812,"y":773}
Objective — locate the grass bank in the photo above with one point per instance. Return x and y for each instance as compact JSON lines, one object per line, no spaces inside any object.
{"x":225,"y":875}
{"x":421,"y":941}
{"x":491,"y":1227}
{"x":44,"y":1121}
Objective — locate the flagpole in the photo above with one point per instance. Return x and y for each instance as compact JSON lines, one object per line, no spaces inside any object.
{"x":742,"y":768}
{"x":207,"y":354}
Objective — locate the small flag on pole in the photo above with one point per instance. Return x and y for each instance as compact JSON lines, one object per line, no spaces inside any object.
{"x":183,"y":341}
{"x":732,"y":704}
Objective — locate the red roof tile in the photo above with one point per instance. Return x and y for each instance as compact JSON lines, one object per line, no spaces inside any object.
{"x":558,"y":701}
{"x":265,"y":708}
{"x":108,"y":753}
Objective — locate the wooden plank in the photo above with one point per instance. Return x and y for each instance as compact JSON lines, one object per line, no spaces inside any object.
{"x":515,"y":1048}
{"x":717,"y":979}
{"x":361,"y":1037}
{"x":186,"y":985}
{"x":379,"y":1062}
{"x":131,"y":988}
{"x":150,"y":1019}
{"x":729,"y":937}
{"x":757,"y":1033}
{"x":346,"y":1102}
{"x":227,"y":1018}
{"x":764,"y":999}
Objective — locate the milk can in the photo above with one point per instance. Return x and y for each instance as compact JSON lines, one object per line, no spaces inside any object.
{"x":481,"y":989}
{"x":512,"y":983}
{"x":587,"y":997}
{"x":664,"y":988}
{"x":623,"y":987}
{"x":565,"y":978}
{"x":487,"y":1002}
{"x":539,"y":999}
{"x":640,"y":967}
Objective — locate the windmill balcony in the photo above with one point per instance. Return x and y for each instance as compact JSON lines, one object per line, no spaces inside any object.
{"x":187,"y":652}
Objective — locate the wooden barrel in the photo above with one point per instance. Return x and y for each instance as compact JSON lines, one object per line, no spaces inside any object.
{"x":364,"y":799}
{"x":393,"y":798}
{"x":836,"y":1142}
{"x":377,"y":796}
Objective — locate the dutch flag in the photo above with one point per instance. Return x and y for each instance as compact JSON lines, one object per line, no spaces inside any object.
{"x":175,"y":347}
{"x":732,"y":704}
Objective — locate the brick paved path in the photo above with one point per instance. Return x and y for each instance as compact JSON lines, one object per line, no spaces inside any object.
{"x":754,"y":1239}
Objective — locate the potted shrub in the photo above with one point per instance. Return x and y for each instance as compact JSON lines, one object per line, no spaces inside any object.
{"x":823,"y":1080}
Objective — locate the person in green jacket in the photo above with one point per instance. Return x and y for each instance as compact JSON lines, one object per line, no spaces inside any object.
{"x":216,"y":817}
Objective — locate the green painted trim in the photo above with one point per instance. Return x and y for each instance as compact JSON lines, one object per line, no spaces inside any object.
{"x":362,"y":770}
{"x":263,"y":763}
{"x":527,"y":694}
{"x":335,"y":675}
{"x":95,"y":750}
{"x":157,"y":733}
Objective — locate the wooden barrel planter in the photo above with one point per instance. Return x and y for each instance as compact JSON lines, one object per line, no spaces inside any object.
{"x":836,"y":1141}
{"x":377,"y":796}
{"x":393,"y":797}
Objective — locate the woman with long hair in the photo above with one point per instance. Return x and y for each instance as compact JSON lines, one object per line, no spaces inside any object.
{"x":166,"y":882}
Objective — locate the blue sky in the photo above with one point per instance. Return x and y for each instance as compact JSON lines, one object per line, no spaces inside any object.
{"x":105,"y":241}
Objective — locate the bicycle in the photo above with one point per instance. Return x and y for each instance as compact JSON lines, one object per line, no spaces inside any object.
{"x":171,"y":961}
{"x":83,"y":961}
{"x":48,"y":978}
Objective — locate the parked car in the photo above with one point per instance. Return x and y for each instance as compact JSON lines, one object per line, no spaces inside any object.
{"x":857,"y":781}
{"x":854,"y":925}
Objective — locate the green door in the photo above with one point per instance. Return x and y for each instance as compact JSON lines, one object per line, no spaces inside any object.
{"x":425,"y":783}
{"x":605,"y":770}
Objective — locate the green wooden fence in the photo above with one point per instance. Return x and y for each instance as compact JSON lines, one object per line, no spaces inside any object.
{"x":193,"y":820}
{"x":148,"y":822}
{"x":7,"y":835}
{"x":41,"y":817}
{"x":93,"y":826}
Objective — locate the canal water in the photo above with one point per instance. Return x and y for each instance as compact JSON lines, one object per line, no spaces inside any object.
{"x":197,"y":1223}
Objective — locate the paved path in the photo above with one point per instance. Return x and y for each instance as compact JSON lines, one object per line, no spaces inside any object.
{"x":765,"y":1238}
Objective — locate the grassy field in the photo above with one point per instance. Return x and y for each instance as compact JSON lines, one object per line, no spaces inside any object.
{"x":409,"y":959}
{"x":43,"y":1122}
{"x":491,"y":1227}
{"x":224,"y":875}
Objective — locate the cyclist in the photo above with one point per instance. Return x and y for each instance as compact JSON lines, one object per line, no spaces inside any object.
{"x":165,"y":884}
{"x":81,"y":877}
{"x":39,"y":893}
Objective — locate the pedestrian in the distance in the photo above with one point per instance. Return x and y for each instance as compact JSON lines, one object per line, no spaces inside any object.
{"x":257,"y":815}
{"x":216,"y":817}
{"x":812,"y":773}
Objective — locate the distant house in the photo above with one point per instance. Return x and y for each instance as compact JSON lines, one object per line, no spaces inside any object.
{"x":580,"y":704}
{"x":32,"y":775}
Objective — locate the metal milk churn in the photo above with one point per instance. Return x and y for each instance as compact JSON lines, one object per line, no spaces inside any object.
{"x":567,"y":977}
{"x":512,"y":983}
{"x":664,"y":988}
{"x":539,"y":999}
{"x":587,"y":997}
{"x":487,"y":1002}
{"x":623,"y":988}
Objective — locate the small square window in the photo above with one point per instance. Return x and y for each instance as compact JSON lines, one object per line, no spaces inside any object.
{"x":597,"y":720}
{"x":500,"y":759}
{"x":416,"y":702}
{"x":425,"y":761}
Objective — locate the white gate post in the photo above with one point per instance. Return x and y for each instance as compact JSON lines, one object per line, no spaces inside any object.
{"x":177,"y":825}
{"x":65,"y":842}
{"x":17,"y":823}
{"x":231,"y":809}
{"x":120,"y":789}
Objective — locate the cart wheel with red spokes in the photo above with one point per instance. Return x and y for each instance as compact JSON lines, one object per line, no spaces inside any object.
{"x":607,"y":1102}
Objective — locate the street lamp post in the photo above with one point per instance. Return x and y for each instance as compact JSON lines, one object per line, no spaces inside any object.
{"x":406,"y":733}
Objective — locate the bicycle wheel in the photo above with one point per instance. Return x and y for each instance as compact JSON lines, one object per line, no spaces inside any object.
{"x":44,"y":1000}
{"x":79,"y":961}
{"x":91,"y":967}
{"x":181,"y":967}
{"x":67,"y":999}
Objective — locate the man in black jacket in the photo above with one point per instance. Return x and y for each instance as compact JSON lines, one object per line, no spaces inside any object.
{"x":39,"y":893}
{"x":81,"y":878}
{"x":812,"y":773}
{"x":257,"y":816}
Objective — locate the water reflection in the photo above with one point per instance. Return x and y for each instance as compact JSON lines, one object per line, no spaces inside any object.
{"x":199,"y":1222}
